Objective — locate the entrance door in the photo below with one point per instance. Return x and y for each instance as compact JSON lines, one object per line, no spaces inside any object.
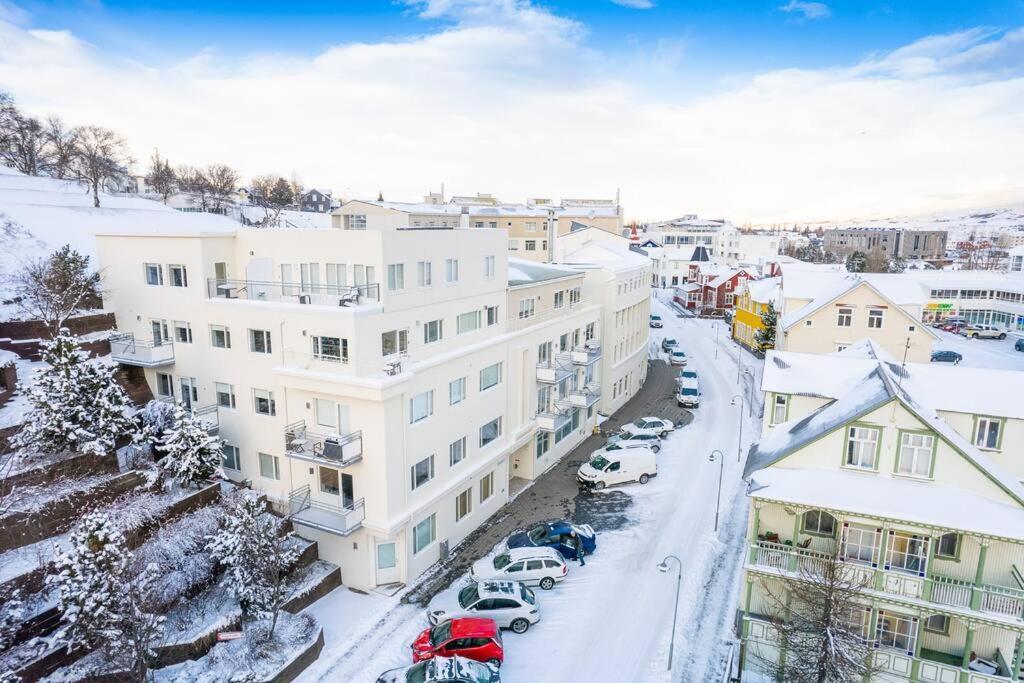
{"x":189,"y":392}
{"x":346,"y":490}
{"x":387,"y":562}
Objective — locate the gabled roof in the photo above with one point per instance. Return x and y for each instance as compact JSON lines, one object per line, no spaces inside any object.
{"x":730,"y":274}
{"x":524,"y":272}
{"x":766,"y":290}
{"x":700,"y":254}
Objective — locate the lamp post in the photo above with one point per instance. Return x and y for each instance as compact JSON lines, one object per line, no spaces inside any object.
{"x":739,"y":439}
{"x":715,"y":323}
{"x":663,"y":567}
{"x":750,"y":401}
{"x":721,"y":469}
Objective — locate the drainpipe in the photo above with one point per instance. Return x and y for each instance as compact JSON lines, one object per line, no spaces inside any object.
{"x":552,"y":234}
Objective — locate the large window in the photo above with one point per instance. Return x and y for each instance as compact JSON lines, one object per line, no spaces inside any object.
{"x":263,"y":402}
{"x":423,"y":534}
{"x":164,"y":384}
{"x":907,"y":552}
{"x":467,"y":322}
{"x":567,"y":428}
{"x":845,"y":317}
{"x":422,"y":472}
{"x":490,"y":376}
{"x":424,"y":274}
{"x":396,"y":276}
{"x":897,"y":632}
{"x":490,"y":432}
{"x":332,"y":349}
{"x":329,"y":481}
{"x":220,"y":337}
{"x":543,"y":443}
{"x":432,"y":331}
{"x":859,"y":544}
{"x":987,"y":433}
{"x":154,"y":274}
{"x":225,"y":394}
{"x":229,"y":458}
{"x":421,"y":407}
{"x":451,"y":270}
{"x":861,"y":447}
{"x":259,"y":341}
{"x":394,"y":341}
{"x":457,"y":451}
{"x":875,"y":318}
{"x":819,"y":522}
{"x":780,"y":408}
{"x":487,"y":487}
{"x":270,"y":466}
{"x":915,"y":457}
{"x":463,"y":504}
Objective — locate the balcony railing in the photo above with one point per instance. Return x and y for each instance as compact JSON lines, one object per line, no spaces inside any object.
{"x":339,"y":450}
{"x":552,"y":372}
{"x":292,"y":292}
{"x":127,"y":349}
{"x":589,"y":353}
{"x":335,"y":518}
{"x":552,"y":421}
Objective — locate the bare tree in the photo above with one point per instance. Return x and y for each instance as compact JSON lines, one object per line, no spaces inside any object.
{"x":161,"y":177}
{"x":57,"y":287}
{"x":22,"y":140}
{"x":221,"y":182}
{"x":821,"y":625}
{"x":101,"y":157}
{"x":273,"y":193}
{"x":194,"y":181}
{"x":60,"y":142}
{"x":876,"y":261}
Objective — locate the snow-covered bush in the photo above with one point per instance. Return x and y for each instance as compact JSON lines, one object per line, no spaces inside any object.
{"x":11,"y":610}
{"x":191,"y":454}
{"x":76,"y":404}
{"x":157,"y":417}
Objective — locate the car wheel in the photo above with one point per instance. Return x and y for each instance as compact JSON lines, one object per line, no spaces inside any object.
{"x":644,"y":479}
{"x":663,"y":434}
{"x":519,"y":626}
{"x":598,"y":485}
{"x":655,"y":448}
{"x":547,"y":583}
{"x":974,"y":336}
{"x":1002,"y":335}
{"x":496,"y":663}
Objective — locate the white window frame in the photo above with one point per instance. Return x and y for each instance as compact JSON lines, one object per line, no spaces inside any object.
{"x":232,"y":462}
{"x":396,"y":277}
{"x":876,"y":318}
{"x":457,"y":391}
{"x":265,"y":395}
{"x":983,"y":432}
{"x":163,"y":378}
{"x":424,"y":274}
{"x":172,"y":270}
{"x":527,"y":308}
{"x":224,"y":389}
{"x":414,"y":480}
{"x":400,"y":342}
{"x":492,"y":315}
{"x":451,"y":270}
{"x":495,"y":368}
{"x":844,"y":317}
{"x":271,"y":462}
{"x":182,"y":331}
{"x":487,"y":479}
{"x":225,"y":332}
{"x":158,"y":270}
{"x":467,"y":322}
{"x":457,"y":451}
{"x":431,"y":524}
{"x":860,"y":437}
{"x":433,"y":331}
{"x":318,"y":349}
{"x":915,"y":453}
{"x":488,"y":267}
{"x":777,"y":405}
{"x":421,"y":406}
{"x":264,"y":337}
{"x":496,"y":424}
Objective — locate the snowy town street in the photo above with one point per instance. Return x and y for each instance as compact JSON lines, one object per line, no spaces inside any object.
{"x":619,"y":602}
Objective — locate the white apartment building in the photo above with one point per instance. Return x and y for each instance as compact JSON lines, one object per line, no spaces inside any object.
{"x":380,"y":381}
{"x":677,"y":243}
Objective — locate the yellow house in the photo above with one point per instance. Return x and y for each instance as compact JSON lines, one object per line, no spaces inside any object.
{"x":751,"y":303}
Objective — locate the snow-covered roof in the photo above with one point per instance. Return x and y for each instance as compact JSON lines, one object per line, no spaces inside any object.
{"x":897,"y":293}
{"x":688,"y":287}
{"x":865,"y":348}
{"x":523,"y":272}
{"x":764,"y":291}
{"x":7,"y":357}
{"x":607,"y":255}
{"x":497,"y":210}
{"x":727,"y":275}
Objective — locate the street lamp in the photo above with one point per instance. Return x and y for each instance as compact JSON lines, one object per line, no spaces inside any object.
{"x":721,"y":469}
{"x":739,"y":439}
{"x":663,"y":567}
{"x":750,"y":400}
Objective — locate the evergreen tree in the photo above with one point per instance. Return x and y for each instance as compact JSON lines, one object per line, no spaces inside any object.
{"x":857,"y":262}
{"x":191,"y":455}
{"x":765,"y":337}
{"x":162,"y":176}
{"x":281,"y":194}
{"x":256,"y":558}
{"x":11,"y":610}
{"x":76,"y":404}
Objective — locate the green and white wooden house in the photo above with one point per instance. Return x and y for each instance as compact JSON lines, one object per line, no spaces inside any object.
{"x":865,"y":468}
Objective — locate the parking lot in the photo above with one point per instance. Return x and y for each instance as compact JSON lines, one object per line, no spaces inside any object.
{"x":982,"y":353}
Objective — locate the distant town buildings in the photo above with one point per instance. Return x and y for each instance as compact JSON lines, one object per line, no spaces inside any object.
{"x":315,"y":200}
{"x":927,"y":245}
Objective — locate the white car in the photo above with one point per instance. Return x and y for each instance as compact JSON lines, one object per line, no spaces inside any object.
{"x":619,"y":443}
{"x":509,"y":603}
{"x":536,"y":566}
{"x":627,"y":440}
{"x":654,"y":426}
{"x":619,"y":467}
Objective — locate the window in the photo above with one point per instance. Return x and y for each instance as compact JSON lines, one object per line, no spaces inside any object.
{"x":531,"y":245}
{"x":486,"y":487}
{"x":463,"y":504}
{"x":424,"y":276}
{"x":490,"y":376}
{"x":337,"y":276}
{"x":530,"y":226}
{"x":467,"y":322}
{"x":396,"y":276}
{"x":543,"y":443}
{"x":457,"y":391}
{"x":225,"y":394}
{"x":356,"y":221}
{"x":490,"y":432}
{"x":457,"y":451}
{"x":182,"y":332}
{"x":859,"y":544}
{"x":575,"y":295}
{"x":395,"y":341}
{"x":164,"y":384}
{"x":154,"y":274}
{"x":259,"y":341}
{"x":423,"y":534}
{"x":270,"y":466}
{"x":566,"y":429}
{"x":526,"y":308}
{"x":845,"y":317}
{"x":179,"y":278}
{"x":780,"y":408}
{"x":897,"y":632}
{"x":451,"y":270}
{"x":326,"y":413}
{"x":220,"y":337}
{"x":861,"y":443}
{"x":559,"y":299}
{"x":807,"y":323}
{"x":422,"y":472}
{"x":937,"y":623}
{"x":987,"y":432}
{"x":492,"y":315}
{"x":588,"y":332}
{"x":488,"y":266}
{"x":513,"y":245}
{"x":915,"y":457}
{"x":229,"y":458}
{"x":544,"y":352}
{"x":948,"y":546}
{"x":421,"y":407}
{"x":263,"y":402}
{"x":432,"y":331}
{"x":819,"y":522}
{"x":332,"y":349}
{"x":875,"y":318}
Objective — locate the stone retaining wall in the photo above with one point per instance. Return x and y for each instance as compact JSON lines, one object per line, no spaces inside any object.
{"x":36,"y":329}
{"x":300,"y":602}
{"x":79,"y":465}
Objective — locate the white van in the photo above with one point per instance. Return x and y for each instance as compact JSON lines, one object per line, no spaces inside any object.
{"x":688,"y":394}
{"x":618,"y":467}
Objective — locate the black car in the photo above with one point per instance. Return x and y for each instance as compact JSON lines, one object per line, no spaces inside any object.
{"x":443,"y":670}
{"x":668,"y":344}
{"x":946,"y":357}
{"x":1019,"y":345}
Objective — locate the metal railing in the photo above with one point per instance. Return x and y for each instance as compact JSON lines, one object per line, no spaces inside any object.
{"x":551,"y":420}
{"x":336,"y":518}
{"x":126,"y":348}
{"x":292,"y":292}
{"x":340,"y":450}
{"x":552,"y":372}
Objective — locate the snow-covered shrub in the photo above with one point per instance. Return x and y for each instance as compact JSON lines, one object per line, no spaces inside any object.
{"x":156,"y":418}
{"x":11,"y":610}
{"x":191,"y":454}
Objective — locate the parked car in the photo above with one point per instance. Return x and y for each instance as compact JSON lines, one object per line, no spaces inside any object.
{"x":471,"y":637}
{"x":946,"y":357}
{"x":631,"y":464}
{"x":533,"y":566}
{"x":556,"y":535}
{"x":688,"y":395}
{"x":983,"y":332}
{"x":686,"y":374}
{"x":953,"y":326}
{"x":1018,"y":345}
{"x":443,"y":670}
{"x":677,"y":357}
{"x":649,"y":425}
{"x":509,"y":603}
{"x":620,"y":445}
{"x":627,"y":440}
{"x":656,"y":321}
{"x":668,"y":344}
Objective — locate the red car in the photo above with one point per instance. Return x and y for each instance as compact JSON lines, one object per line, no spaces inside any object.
{"x":469,"y":637}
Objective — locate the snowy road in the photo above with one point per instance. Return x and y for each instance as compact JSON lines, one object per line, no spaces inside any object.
{"x":610,"y":620}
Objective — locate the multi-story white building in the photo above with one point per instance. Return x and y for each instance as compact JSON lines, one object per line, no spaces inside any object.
{"x":381,"y":381}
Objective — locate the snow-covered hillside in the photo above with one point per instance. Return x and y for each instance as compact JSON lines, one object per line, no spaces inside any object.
{"x":984,"y":222}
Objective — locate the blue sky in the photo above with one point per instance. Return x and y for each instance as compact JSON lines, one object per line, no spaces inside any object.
{"x":759,"y":111}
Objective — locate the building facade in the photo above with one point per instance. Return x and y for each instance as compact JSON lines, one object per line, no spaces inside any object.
{"x":315,"y":200}
{"x":911,"y":245}
{"x":752,"y":301}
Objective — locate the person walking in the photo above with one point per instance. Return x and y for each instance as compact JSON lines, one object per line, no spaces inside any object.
{"x":577,"y":543}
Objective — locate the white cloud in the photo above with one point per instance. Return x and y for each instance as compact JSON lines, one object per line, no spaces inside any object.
{"x":521,"y":107}
{"x":809,"y":10}
{"x":635,"y":4}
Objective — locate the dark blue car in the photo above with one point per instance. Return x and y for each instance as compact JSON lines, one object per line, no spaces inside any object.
{"x":556,"y":535}
{"x":946,"y":357}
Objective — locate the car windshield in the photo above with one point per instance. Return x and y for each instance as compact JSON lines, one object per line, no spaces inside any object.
{"x":639,"y":422}
{"x":689,"y":374}
{"x":441,"y":633}
{"x":417,"y":673}
{"x":538,"y":534}
{"x":688,"y":392}
{"x":598,"y":463}
{"x":678,"y":353}
{"x":502,"y":561}
{"x":670,"y":342}
{"x":655,"y":317}
{"x":468,"y":595}
{"x":528,"y":595}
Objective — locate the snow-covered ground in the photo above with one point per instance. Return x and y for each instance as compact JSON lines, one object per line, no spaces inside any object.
{"x":609,"y":620}
{"x":982,"y":353}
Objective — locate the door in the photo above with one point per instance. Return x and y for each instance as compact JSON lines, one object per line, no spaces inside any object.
{"x":346,"y":491}
{"x":189,"y":392}
{"x":387,"y":563}
{"x":259,"y":272}
{"x":534,"y":571}
{"x":220,"y":271}
{"x":158,"y":333}
{"x":616,"y":473}
{"x":515,"y":571}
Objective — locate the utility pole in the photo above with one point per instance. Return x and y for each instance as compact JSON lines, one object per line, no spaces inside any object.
{"x":721,"y":470}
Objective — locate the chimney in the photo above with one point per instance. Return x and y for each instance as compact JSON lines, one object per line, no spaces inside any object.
{"x":552,"y":234}
{"x":464,"y":217}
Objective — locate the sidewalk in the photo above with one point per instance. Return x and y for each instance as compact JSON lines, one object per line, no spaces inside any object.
{"x":553,"y":495}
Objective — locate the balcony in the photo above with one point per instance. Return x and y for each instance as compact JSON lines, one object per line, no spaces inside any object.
{"x":334,"y":518}
{"x":552,"y":372}
{"x":292,"y":292}
{"x":337,"y":450}
{"x":127,"y":349}
{"x":587,"y":354}
{"x":552,"y":421}
{"x":585,"y":396}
